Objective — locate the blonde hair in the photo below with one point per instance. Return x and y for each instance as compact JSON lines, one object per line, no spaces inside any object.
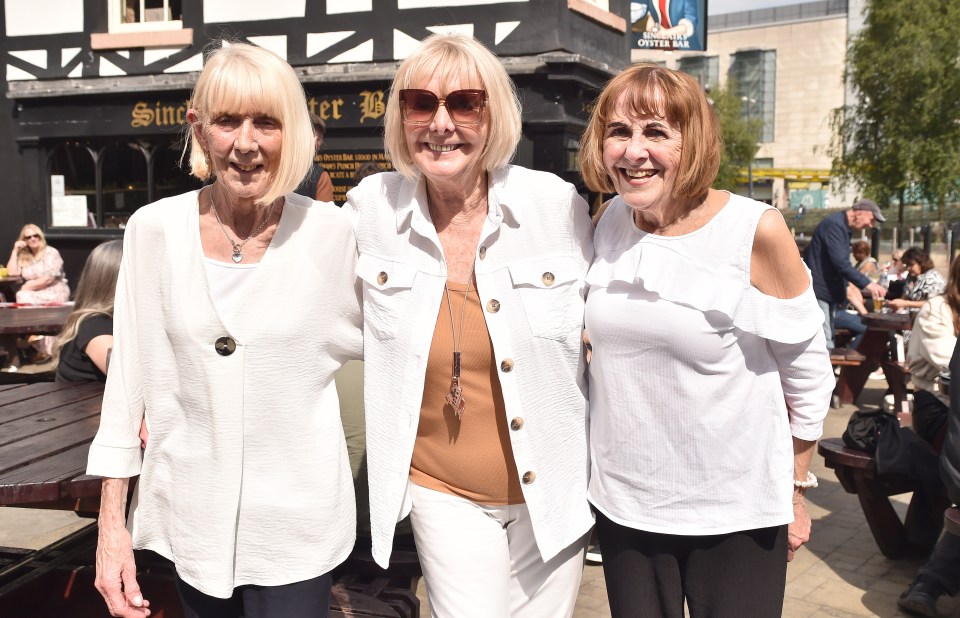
{"x":649,"y":90}
{"x":242,"y":78}
{"x":25,"y":257}
{"x":95,"y":291}
{"x":456,"y":57}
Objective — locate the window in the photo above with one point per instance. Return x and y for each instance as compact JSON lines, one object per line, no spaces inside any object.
{"x":755,"y":74}
{"x":103,"y":182}
{"x":705,"y":69}
{"x":142,"y":23}
{"x":144,"y":15}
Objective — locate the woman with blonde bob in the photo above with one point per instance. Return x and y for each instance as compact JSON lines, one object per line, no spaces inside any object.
{"x":235,"y":306}
{"x":709,"y":379}
{"x":472,"y":273}
{"x":85,"y":343}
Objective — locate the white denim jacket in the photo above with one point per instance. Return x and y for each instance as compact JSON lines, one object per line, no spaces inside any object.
{"x":534,"y":252}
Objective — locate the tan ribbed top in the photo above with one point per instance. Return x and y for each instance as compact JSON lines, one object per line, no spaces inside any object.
{"x":470,"y":457}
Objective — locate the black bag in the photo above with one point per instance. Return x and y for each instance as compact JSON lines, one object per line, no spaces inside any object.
{"x":864,"y":429}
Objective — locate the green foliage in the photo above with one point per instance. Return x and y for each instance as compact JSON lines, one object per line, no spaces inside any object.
{"x":903,"y":130}
{"x":740,"y":136}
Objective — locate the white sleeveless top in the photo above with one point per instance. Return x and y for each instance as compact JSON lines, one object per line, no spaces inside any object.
{"x":698,"y":380}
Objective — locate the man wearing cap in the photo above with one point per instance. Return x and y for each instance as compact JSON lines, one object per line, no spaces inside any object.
{"x":828,"y":257}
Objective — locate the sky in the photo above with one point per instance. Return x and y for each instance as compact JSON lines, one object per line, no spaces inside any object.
{"x":719,"y":7}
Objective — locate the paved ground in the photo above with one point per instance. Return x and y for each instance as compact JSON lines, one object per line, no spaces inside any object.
{"x":840,"y":573}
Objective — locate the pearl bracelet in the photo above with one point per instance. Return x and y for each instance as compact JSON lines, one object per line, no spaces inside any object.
{"x":810,"y":483}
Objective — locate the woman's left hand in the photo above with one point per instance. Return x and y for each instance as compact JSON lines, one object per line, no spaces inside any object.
{"x":798,"y":532}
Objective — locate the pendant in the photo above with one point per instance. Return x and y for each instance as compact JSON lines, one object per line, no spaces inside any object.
{"x":236,"y":257}
{"x":455,"y":397}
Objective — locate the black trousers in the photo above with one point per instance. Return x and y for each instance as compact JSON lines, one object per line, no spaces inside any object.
{"x":307,"y":599}
{"x":729,"y":575}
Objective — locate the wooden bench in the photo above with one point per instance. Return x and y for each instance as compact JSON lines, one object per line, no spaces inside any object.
{"x":857,"y":473}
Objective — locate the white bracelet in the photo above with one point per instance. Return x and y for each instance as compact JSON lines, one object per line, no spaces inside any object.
{"x":810,"y":483}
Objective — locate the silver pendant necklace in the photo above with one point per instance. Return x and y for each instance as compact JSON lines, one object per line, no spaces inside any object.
{"x":237,"y":256}
{"x":455,"y":397}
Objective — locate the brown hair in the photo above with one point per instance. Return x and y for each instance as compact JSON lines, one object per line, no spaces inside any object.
{"x":916,"y":255}
{"x":649,"y":90}
{"x":952,"y":293}
{"x":861,"y":247}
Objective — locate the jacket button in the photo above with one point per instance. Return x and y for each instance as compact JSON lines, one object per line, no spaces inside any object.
{"x":483,"y":252}
{"x":506,"y":365}
{"x":529,"y":477}
{"x":548,"y":278}
{"x":516,"y":424}
{"x":382,"y":278}
{"x":225,"y":346}
{"x":493,"y":306}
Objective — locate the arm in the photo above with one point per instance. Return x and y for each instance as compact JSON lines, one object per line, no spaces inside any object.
{"x":98,"y":350}
{"x":39,"y":283}
{"x":855,"y":298}
{"x":902,"y":303}
{"x":116,"y":569}
{"x":324,"y":188}
{"x":805,"y":373}
{"x":838,"y":253}
{"x":13,"y":264}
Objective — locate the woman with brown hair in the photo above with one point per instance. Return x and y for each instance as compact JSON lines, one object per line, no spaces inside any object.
{"x":923,"y":280}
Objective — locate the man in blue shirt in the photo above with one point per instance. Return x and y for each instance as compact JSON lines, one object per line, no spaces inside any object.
{"x":828,"y":257}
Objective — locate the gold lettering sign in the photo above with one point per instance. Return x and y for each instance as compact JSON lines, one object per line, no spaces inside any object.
{"x":371,"y":105}
{"x":160,"y":114}
{"x":326,"y":108}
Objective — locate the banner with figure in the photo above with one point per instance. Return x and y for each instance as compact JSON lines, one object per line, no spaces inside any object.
{"x":670,"y":25}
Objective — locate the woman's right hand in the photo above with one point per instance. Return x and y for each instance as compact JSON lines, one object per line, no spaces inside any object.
{"x":20,"y":245}
{"x":116,"y":569}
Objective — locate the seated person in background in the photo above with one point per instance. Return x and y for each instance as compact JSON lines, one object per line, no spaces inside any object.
{"x":41,"y":267}
{"x":928,"y":355}
{"x":85,"y":343}
{"x":923,"y":281}
{"x":864,"y":262}
{"x":941,"y":574}
{"x":317,"y":184}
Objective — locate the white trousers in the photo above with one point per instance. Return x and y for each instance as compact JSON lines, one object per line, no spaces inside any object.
{"x":483,"y":562}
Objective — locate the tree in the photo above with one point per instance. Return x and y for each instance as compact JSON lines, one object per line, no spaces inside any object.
{"x":740,"y":136}
{"x":903,"y":129}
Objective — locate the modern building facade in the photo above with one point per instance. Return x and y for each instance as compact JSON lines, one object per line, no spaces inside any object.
{"x":96,"y":91}
{"x":787,"y":63}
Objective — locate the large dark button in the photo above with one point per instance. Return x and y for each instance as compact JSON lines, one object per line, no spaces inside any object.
{"x":548,"y":278}
{"x":516,"y":424}
{"x":382,"y":278}
{"x":493,"y":305}
{"x":529,"y":477}
{"x":483,"y":252}
{"x":225,"y":346}
{"x":506,"y":365}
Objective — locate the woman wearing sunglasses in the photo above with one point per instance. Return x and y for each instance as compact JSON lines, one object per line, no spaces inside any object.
{"x":473,"y":277}
{"x":41,"y":267}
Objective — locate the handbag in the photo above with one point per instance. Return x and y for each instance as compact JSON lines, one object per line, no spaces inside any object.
{"x":865,"y":427}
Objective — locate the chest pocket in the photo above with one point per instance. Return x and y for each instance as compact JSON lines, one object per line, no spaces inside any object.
{"x":387,"y":288}
{"x":550,"y":292}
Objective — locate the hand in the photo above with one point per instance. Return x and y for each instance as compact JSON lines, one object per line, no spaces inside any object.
{"x":144,"y":434}
{"x":20,"y":245}
{"x":117,"y":573}
{"x":897,"y":304}
{"x":876,"y":290}
{"x":798,"y":532}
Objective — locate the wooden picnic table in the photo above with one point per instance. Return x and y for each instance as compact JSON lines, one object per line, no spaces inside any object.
{"x":33,"y":319}
{"x":45,"y":431}
{"x":875,"y":347}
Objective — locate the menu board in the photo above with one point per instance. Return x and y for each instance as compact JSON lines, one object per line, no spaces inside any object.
{"x":349,"y":167}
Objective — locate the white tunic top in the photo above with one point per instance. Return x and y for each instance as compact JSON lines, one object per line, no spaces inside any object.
{"x":535,"y":248}
{"x":697,"y":379}
{"x":245,"y":479}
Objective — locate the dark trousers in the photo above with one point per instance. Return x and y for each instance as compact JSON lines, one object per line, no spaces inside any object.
{"x":944,"y":564}
{"x":307,"y":599}
{"x":728,"y":575}
{"x":929,"y":416}
{"x":851,"y":322}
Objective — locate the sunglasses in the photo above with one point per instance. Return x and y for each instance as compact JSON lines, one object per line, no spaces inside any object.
{"x":465,"y":107}
{"x":29,"y":236}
